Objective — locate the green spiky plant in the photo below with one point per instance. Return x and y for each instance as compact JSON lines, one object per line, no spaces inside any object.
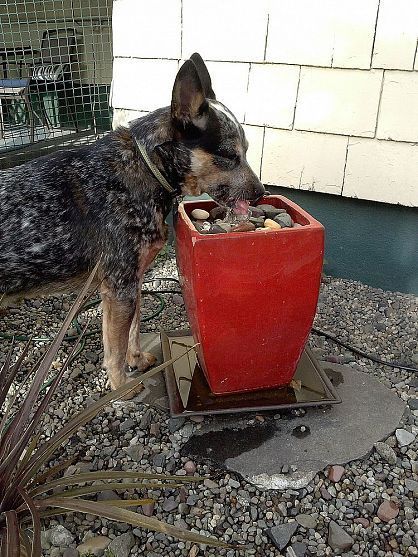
{"x":28,"y":488}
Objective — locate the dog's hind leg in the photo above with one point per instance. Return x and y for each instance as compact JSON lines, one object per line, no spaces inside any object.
{"x":135,"y":358}
{"x":117,"y":319}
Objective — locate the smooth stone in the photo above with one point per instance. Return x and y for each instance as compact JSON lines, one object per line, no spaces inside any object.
{"x":136,"y":452}
{"x":245,"y":226}
{"x":363,"y":521}
{"x":264,"y":229}
{"x":413,"y":403}
{"x":258,"y":222}
{"x":338,"y":538}
{"x":218,"y":213}
{"x":280,"y":535}
{"x":284,"y":220}
{"x":148,"y":509}
{"x":404,"y":437}
{"x":217,"y":229}
{"x":190,"y":467}
{"x":299,"y":549}
{"x":411,"y":485}
{"x":122,"y":545}
{"x":386,"y":452}
{"x":306,"y":521}
{"x":200,"y":214}
{"x":256,"y":212}
{"x":272,"y":224}
{"x":170,"y":504}
{"x":108,"y":495}
{"x":70,"y":552}
{"x":60,"y":536}
{"x":225,"y":225}
{"x":158,"y":460}
{"x":94,"y":546}
{"x":335,"y":473}
{"x":325,"y":494}
{"x":297,"y":225}
{"x":174,"y":424}
{"x":387,"y":511}
{"x":270,"y":211}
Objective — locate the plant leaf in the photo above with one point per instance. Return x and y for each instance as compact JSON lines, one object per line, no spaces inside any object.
{"x":86,"y":490}
{"x":109,"y":475}
{"x":54,"y":470}
{"x":135,"y":519}
{"x":48,"y":448}
{"x":24,"y":543}
{"x":36,"y":521}
{"x":12,"y":534}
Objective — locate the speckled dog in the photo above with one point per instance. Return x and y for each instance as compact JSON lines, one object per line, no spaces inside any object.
{"x":62,"y":212}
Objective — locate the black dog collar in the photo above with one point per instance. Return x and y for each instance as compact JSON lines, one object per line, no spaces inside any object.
{"x":154,"y":169}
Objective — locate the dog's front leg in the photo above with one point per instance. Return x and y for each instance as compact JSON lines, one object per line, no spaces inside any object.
{"x":117,"y":319}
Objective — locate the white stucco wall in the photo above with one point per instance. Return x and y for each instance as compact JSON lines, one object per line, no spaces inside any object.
{"x":327,"y":89}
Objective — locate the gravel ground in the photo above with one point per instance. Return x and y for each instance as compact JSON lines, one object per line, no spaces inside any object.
{"x":369,"y":511}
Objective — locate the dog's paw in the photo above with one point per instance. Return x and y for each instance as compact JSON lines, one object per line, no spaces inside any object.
{"x":140,"y":362}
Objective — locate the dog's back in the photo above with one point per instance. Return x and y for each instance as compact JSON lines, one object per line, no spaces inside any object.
{"x":46,"y":216}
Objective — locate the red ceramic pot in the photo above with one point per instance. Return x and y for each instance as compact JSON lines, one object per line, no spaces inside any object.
{"x":250,"y":297}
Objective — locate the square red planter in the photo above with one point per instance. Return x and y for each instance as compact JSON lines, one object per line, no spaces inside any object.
{"x":250,"y":297}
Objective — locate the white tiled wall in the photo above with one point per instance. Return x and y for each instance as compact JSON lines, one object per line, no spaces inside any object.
{"x":327,"y":90}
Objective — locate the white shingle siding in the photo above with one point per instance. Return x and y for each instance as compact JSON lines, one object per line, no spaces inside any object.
{"x":327,"y":90}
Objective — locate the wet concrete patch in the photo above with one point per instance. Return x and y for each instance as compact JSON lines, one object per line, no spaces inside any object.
{"x":307,"y":444}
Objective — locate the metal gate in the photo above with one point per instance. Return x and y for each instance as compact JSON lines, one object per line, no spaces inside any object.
{"x":55,"y":75}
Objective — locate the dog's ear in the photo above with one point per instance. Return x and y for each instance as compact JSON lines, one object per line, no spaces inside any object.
{"x":188,"y":103}
{"x":204,"y":75}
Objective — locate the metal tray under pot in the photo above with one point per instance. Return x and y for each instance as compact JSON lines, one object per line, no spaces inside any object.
{"x":189,"y":393}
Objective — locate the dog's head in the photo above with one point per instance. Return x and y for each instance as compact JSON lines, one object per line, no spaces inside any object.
{"x":214,"y":139}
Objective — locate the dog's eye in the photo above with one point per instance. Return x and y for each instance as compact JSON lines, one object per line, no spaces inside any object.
{"x":229,"y":155}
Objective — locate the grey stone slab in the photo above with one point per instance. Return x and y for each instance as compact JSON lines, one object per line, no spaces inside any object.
{"x":338,"y":434}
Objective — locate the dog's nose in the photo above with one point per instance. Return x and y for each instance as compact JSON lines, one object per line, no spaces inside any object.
{"x":258,"y":190}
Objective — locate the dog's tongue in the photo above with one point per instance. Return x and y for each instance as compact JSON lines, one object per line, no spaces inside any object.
{"x":241,"y":207}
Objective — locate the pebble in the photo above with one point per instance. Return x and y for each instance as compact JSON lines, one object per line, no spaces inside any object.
{"x":404,"y":437}
{"x":93,"y":546}
{"x":335,"y":473}
{"x":272,"y":224}
{"x":136,"y":452}
{"x":306,"y":521}
{"x":325,"y":494}
{"x":190,"y":467}
{"x":387,"y":511}
{"x":299,"y":549}
{"x":70,"y":552}
{"x":218,"y":229}
{"x":413,"y":403}
{"x":270,"y":211}
{"x":280,"y":535}
{"x":412,"y":485}
{"x":386,"y":452}
{"x":148,"y":509}
{"x":170,"y":504}
{"x":244,"y":226}
{"x":284,"y":220}
{"x":256,"y":212}
{"x":338,"y":538}
{"x":121,"y":546}
{"x":217,"y":213}
{"x":60,"y":536}
{"x":200,"y":214}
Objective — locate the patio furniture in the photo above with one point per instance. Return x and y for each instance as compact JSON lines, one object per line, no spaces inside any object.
{"x":50,"y":71}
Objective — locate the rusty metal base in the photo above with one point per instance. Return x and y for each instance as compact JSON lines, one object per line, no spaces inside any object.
{"x":189,"y":393}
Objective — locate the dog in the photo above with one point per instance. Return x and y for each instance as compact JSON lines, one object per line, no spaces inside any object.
{"x":63,"y":212}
